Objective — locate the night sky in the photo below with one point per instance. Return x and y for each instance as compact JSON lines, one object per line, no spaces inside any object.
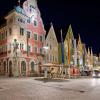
{"x":83,"y":16}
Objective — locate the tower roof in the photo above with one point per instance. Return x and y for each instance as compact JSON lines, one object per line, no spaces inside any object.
{"x":51,"y":33}
{"x":69,"y":33}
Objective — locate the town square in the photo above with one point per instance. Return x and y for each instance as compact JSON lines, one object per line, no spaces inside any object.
{"x":49,"y":57}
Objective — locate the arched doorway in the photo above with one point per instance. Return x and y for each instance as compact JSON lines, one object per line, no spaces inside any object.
{"x":4,"y":64}
{"x":23,"y":68}
{"x":32,"y":66}
{"x":10,"y":69}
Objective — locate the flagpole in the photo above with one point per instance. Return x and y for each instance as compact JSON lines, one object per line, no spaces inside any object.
{"x":68,"y":56}
{"x":62,"y":51}
{"x":68,"y":51}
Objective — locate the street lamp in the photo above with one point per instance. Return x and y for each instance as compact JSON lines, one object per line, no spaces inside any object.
{"x":45,"y":69}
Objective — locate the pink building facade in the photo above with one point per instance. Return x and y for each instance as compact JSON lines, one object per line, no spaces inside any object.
{"x":22,"y":39}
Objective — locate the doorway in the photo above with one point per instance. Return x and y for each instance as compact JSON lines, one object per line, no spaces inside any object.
{"x":10,"y":69}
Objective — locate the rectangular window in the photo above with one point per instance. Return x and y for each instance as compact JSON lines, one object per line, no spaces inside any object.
{"x":28,"y":34}
{"x":22,"y":31}
{"x":41,"y":39}
{"x":35,"y":36}
{"x":29,"y":48}
{"x":35,"y":23}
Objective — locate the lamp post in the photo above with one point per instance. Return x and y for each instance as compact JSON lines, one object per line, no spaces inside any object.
{"x":45,"y":69}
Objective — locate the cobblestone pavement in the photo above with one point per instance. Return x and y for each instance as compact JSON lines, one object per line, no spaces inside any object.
{"x":32,"y":89}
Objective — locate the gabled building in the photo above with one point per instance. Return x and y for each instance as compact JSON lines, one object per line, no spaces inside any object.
{"x":52,"y":44}
{"x":80,"y":53}
{"x":90,"y":59}
{"x":69,"y":47}
{"x":21,"y":41}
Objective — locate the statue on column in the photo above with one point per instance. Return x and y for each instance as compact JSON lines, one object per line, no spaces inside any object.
{"x":15,"y":47}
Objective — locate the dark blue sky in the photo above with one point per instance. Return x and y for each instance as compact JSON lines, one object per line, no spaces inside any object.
{"x":83,"y":16}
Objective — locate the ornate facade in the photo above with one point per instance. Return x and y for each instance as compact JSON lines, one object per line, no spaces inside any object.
{"x":21,"y":41}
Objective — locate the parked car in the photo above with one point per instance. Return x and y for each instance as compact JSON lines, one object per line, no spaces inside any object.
{"x":96,"y":74}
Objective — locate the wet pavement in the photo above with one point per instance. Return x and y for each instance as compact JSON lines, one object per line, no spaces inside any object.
{"x":56,"y":89}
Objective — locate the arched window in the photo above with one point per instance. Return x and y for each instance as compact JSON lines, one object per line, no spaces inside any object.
{"x":23,"y":68}
{"x":32,"y":66}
